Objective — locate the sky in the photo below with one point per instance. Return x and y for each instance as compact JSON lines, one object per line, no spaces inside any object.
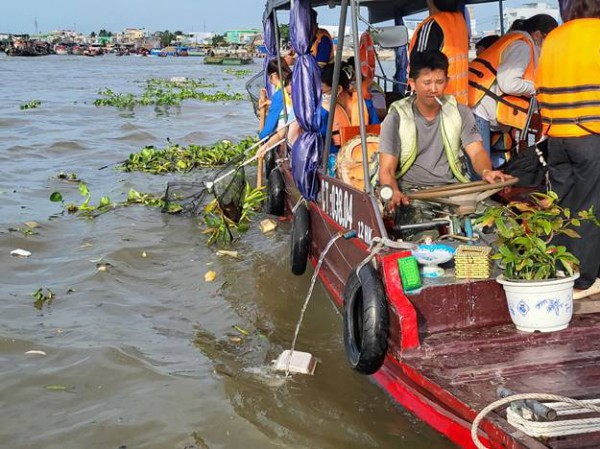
{"x":159,"y":15}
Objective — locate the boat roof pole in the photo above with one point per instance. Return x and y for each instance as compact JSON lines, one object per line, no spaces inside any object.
{"x":354,"y":7}
{"x":336,"y":77}
{"x":279,"y":70}
{"x":501,"y":12}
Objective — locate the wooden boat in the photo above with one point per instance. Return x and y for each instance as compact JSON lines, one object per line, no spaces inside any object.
{"x":447,"y":347}
{"x":61,"y":49}
{"x":228,"y":60}
{"x":22,"y":47}
{"x":77,"y":50}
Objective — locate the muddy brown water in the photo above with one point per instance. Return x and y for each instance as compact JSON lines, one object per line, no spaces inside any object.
{"x":142,"y":355}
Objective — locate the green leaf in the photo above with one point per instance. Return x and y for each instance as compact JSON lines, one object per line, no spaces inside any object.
{"x":83,"y":190}
{"x":105,"y":201}
{"x":56,"y":197}
{"x":502,"y":229}
{"x":546,"y":226}
{"x":570,"y":232}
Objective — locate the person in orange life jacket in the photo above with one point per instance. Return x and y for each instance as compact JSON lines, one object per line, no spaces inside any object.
{"x":422,"y":141}
{"x":278,"y":99}
{"x":346,"y":109}
{"x":484,"y":43}
{"x":371,"y":95}
{"x":446,"y":30}
{"x":567,"y":82}
{"x":322,"y":46}
{"x":505,"y":71}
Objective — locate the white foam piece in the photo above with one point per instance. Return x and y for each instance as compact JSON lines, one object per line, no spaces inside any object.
{"x":297,"y":362}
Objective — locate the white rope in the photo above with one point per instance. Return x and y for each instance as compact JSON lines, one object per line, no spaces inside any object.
{"x":558,"y":425}
{"x":378,"y":244}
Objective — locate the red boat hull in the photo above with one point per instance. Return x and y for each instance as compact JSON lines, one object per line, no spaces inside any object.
{"x":451,"y":345}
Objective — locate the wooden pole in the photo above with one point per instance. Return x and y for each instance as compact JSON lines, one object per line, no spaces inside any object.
{"x":262,"y":101}
{"x":262,"y":108}
{"x":259,"y":173}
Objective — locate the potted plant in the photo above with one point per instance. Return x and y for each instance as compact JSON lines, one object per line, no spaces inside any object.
{"x":538,"y":275}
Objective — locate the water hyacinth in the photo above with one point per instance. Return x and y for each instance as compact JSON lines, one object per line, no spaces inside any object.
{"x":238,"y":73}
{"x":179,"y":159}
{"x":30,"y":105}
{"x":162,"y":92}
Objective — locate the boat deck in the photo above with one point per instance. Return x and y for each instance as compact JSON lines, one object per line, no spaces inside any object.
{"x":472,"y":363}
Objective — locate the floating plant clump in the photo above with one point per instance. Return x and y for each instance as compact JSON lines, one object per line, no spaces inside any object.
{"x":30,"y":105}
{"x":219,"y":228}
{"x":162,"y":92}
{"x":178,"y":159}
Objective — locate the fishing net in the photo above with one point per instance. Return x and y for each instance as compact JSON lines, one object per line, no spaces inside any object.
{"x":184,"y":198}
{"x":253,"y":87}
{"x":229,"y":193}
{"x":228,"y":187}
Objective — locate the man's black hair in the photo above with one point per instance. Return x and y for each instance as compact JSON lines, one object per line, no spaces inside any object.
{"x":487,"y":41}
{"x":273,"y":67}
{"x":447,"y":5}
{"x":543,"y":23}
{"x":313,"y":15}
{"x":429,"y":59}
{"x":327,"y":76}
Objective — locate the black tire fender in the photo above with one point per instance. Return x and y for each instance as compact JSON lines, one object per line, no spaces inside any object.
{"x":270,"y":157}
{"x":275,"y":193}
{"x":366,"y":321}
{"x":300,"y":240}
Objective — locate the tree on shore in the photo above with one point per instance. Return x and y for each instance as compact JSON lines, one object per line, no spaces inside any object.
{"x":284,"y":32}
{"x":218,"y":40}
{"x":166,"y":37}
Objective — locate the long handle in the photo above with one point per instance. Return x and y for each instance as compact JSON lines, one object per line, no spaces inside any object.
{"x":262,"y":112}
{"x":246,"y":162}
{"x":267,"y":137}
{"x":259,"y":173}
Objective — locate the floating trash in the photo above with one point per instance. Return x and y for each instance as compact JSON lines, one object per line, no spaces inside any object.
{"x":20,"y":252}
{"x":35,"y":352}
{"x":268,"y":225}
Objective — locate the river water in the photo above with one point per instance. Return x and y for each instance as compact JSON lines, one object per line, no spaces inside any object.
{"x":145,"y":354}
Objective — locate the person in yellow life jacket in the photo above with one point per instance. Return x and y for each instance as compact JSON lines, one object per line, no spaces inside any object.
{"x":446,"y":30}
{"x":425,"y":137}
{"x":568,"y":91}
{"x":501,"y":79}
{"x":322,"y":46}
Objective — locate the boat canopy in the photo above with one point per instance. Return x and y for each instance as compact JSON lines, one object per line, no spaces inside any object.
{"x":379,"y":10}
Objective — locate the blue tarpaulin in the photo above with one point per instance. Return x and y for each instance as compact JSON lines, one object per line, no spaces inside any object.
{"x":306,"y":98}
{"x":270,"y":43}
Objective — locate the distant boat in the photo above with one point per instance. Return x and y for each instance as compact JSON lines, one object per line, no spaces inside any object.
{"x":196,"y":51}
{"x":22,"y":47}
{"x":61,"y":50}
{"x":228,"y":60}
{"x":157,"y":52}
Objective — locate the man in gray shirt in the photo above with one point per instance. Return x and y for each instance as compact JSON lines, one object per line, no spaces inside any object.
{"x":425,"y":137}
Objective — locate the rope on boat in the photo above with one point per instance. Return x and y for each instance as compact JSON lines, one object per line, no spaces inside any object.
{"x":563,"y":406}
{"x":462,"y":238}
{"x":379,"y":243}
{"x":339,"y":235}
